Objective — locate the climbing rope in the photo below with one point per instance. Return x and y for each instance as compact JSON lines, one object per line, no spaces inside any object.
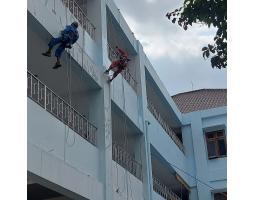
{"x":69,"y":96}
{"x":125,"y":134}
{"x":69,"y":87}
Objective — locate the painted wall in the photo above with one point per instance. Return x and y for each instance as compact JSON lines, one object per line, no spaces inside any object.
{"x":163,"y":143}
{"x":212,"y":172}
{"x":72,"y":163}
{"x":127,"y":100}
{"x":125,"y":185}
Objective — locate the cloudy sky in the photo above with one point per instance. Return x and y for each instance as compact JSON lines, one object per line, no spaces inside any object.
{"x":175,"y":54}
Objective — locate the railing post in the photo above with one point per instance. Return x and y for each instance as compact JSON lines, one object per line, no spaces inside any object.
{"x":73,"y":8}
{"x":31,"y":85}
{"x":45,"y":96}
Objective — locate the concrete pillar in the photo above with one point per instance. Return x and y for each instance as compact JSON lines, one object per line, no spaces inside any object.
{"x":145,"y":143}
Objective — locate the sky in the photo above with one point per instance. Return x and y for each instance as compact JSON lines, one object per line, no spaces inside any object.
{"x":174,"y":53}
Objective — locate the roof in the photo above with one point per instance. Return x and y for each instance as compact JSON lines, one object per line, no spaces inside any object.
{"x":200,"y":99}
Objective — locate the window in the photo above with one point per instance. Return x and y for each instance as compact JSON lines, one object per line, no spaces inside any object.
{"x":216,"y":144}
{"x":220,"y":196}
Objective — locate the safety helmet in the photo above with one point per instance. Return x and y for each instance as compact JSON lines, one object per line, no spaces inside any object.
{"x":75,"y":24}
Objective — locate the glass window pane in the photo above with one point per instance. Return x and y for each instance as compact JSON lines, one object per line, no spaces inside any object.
{"x":211,"y":148}
{"x":220,"y":196}
{"x":222,"y":147}
{"x":220,"y":133}
{"x":210,"y":135}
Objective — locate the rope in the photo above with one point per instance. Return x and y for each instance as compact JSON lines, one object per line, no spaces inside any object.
{"x":113,"y":34}
{"x":126,"y":140}
{"x":68,"y":111}
{"x":181,"y":190}
{"x":82,"y":57}
{"x":69,"y":82}
{"x":69,"y":98}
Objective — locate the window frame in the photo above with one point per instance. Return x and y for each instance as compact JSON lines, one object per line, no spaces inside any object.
{"x":221,"y":195}
{"x":215,"y":139}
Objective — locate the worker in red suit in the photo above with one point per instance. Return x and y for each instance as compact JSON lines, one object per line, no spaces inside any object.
{"x":119,"y":65}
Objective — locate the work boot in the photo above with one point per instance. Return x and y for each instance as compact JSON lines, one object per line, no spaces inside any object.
{"x":57,"y":65}
{"x":47,"y":53}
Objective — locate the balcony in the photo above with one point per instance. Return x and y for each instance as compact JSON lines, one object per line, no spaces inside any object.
{"x":164,"y":191}
{"x":79,"y":14}
{"x":59,"y":108}
{"x":113,"y":55}
{"x":127,"y":161}
{"x":164,"y":125}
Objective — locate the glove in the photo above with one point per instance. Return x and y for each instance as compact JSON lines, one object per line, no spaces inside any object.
{"x":69,"y":46}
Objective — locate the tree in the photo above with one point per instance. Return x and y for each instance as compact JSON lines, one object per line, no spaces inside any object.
{"x":210,"y":13}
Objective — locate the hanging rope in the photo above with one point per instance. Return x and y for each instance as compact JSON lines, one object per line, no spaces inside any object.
{"x":181,"y":190}
{"x":69,"y":82}
{"x":114,"y":37}
{"x":125,"y":132}
{"x":69,"y":96}
{"x":68,"y":110}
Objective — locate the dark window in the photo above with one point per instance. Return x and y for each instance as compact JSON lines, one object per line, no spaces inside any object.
{"x":216,"y":144}
{"x":220,"y":196}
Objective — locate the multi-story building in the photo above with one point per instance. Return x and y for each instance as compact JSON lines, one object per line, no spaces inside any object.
{"x":88,"y":139}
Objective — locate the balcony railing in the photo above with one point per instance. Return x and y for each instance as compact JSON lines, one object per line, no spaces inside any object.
{"x":113,"y":55}
{"x":163,"y":191}
{"x":127,"y":161}
{"x":46,"y":98}
{"x":164,"y":125}
{"x":78,"y":13}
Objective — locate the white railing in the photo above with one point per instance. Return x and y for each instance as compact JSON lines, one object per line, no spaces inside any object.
{"x":78,"y":13}
{"x":164,"y":125}
{"x":46,"y":98}
{"x":113,"y":55}
{"x":163,"y":191}
{"x":127,"y":161}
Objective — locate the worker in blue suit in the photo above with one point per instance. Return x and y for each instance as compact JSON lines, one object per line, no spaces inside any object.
{"x":68,"y":37}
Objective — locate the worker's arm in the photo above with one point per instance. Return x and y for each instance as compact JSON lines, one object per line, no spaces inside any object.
{"x":76,"y":37}
{"x":122,"y":52}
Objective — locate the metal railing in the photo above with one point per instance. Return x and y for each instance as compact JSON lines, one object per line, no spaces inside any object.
{"x":78,"y":13}
{"x":127,"y":161}
{"x":113,"y":55}
{"x":163,"y":191}
{"x":46,"y":98}
{"x":164,"y":125}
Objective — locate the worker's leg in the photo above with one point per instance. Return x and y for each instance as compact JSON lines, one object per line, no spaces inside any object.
{"x":52,"y":43}
{"x":112,"y":66}
{"x":115,"y":74}
{"x":58,"y":54}
{"x":60,"y":50}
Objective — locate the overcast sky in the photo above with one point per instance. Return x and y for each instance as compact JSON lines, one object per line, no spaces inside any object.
{"x":174,"y":53}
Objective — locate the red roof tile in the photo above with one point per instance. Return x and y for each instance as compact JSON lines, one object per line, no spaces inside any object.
{"x":200,"y":99}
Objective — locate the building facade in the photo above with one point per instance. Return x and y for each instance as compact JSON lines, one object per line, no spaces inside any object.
{"x":88,"y":139}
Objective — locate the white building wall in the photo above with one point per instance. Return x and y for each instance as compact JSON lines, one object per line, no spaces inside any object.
{"x":88,"y":170}
{"x":66,"y":163}
{"x":125,"y":185}
{"x":212,"y":174}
